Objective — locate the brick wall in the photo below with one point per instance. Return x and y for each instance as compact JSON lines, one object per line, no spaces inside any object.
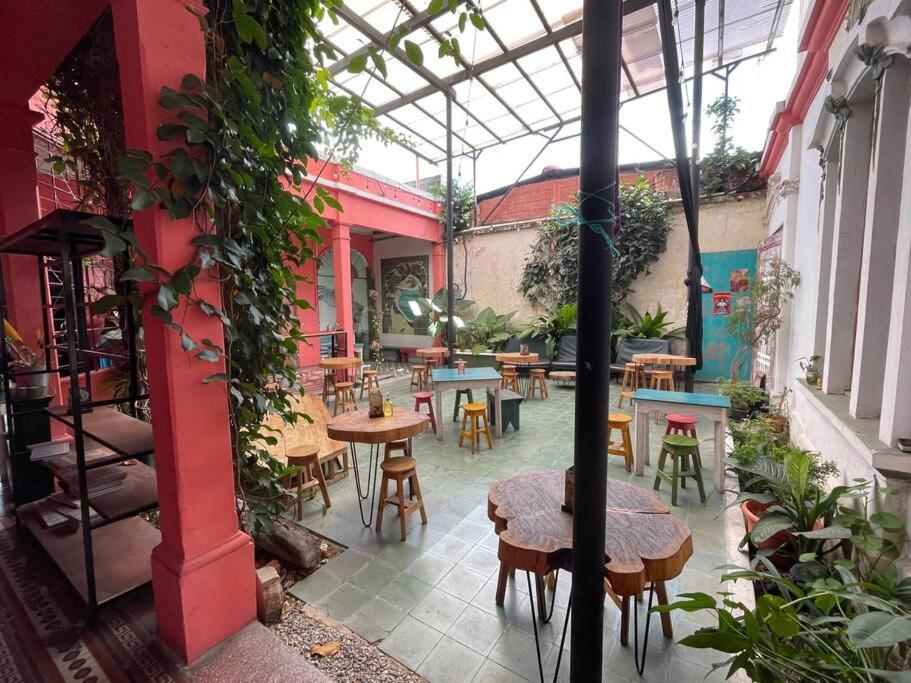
{"x":534,"y":199}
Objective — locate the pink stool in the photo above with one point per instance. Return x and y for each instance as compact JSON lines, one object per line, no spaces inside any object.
{"x":681,"y":424}
{"x":425,"y":398}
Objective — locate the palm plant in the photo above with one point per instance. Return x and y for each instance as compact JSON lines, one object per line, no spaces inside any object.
{"x":551,"y":326}
{"x":648,"y":326}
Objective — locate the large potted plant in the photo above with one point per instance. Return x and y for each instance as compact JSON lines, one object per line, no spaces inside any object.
{"x":746,"y":400}
{"x":553,"y":325}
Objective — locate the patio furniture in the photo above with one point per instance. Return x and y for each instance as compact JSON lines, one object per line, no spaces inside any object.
{"x":458,"y":402}
{"x":563,"y":378}
{"x":340,"y":368}
{"x":522,"y":364}
{"x":473,"y":378}
{"x":511,"y":379}
{"x":633,"y":379}
{"x":668,"y":362}
{"x":537,"y":382}
{"x":344,"y":397}
{"x":628,"y":347}
{"x":679,"y":448}
{"x":681,"y":424}
{"x":369,"y":381}
{"x":565,"y":360}
{"x":662,"y":380}
{"x":394,"y":446}
{"x":310,"y":475}
{"x":624,"y":446}
{"x":419,"y":376}
{"x":710,"y":407}
{"x":425,"y":398}
{"x":510,"y":402}
{"x":359,"y":427}
{"x":398,"y":470}
{"x":644,"y":548}
{"x":436,"y":354}
{"x":474,"y":424}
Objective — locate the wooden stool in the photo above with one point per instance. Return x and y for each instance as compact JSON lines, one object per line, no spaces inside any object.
{"x":663,"y":380}
{"x":472,"y":416}
{"x":624,"y":446}
{"x":309,"y":476}
{"x":425,"y":398}
{"x":418,"y":373}
{"x":458,"y":402}
{"x":398,"y":470}
{"x":328,"y":385}
{"x":511,"y":380}
{"x":680,"y":447}
{"x":369,"y":381}
{"x":344,"y":397}
{"x":393,"y":446}
{"x":431,"y":363}
{"x":633,"y":379}
{"x":537,"y":381}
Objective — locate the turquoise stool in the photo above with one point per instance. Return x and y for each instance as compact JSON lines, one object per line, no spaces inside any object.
{"x":458,"y":402}
{"x":680,"y":448}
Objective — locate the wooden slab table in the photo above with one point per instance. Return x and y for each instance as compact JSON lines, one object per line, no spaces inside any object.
{"x":473,"y":378}
{"x":710,"y":407}
{"x":339,"y":365}
{"x":358,"y":427}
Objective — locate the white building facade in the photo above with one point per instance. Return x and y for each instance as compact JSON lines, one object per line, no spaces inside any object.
{"x":838,"y":159}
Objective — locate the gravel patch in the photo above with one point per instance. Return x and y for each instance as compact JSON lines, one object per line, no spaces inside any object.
{"x":303,"y":626}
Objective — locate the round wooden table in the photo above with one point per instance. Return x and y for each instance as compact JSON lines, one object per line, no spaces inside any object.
{"x":339,"y":365}
{"x":433,"y":352}
{"x":667,"y":359}
{"x":519,"y":359}
{"x":645,"y":546}
{"x":358,"y":427}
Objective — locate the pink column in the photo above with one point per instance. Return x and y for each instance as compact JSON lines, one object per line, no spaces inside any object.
{"x":203,"y":571}
{"x":438,"y":265}
{"x":341,"y":264}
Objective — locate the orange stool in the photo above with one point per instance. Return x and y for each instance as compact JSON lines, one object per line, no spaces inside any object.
{"x":398,"y":470}
{"x":537,"y":381}
{"x":369,"y":381}
{"x":425,"y":398}
{"x":344,"y":397}
{"x":623,"y":446}
{"x":473,"y":415}
{"x":418,"y":375}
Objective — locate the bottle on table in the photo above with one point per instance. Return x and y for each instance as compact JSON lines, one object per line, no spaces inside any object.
{"x":387,"y":406}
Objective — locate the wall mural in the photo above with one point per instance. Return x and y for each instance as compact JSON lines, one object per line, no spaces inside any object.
{"x":404,"y":279}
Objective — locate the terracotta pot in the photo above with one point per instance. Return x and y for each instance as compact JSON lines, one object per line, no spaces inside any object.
{"x":752,"y":511}
{"x":778,"y":422}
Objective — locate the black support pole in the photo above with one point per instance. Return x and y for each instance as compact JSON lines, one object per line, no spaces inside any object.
{"x":597,"y":178}
{"x":450,"y":293}
{"x":694,"y":279}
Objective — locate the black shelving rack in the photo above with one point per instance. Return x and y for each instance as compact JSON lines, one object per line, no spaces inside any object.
{"x":110,"y":555}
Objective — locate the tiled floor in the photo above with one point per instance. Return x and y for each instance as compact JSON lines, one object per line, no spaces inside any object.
{"x":429,"y":602}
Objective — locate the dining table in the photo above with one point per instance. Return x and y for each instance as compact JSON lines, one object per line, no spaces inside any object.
{"x":644,"y":545}
{"x":450,"y":379}
{"x":522,"y":361}
{"x":357,"y":427}
{"x":670,"y":360}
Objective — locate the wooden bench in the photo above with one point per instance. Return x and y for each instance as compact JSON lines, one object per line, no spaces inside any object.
{"x":511,"y":402}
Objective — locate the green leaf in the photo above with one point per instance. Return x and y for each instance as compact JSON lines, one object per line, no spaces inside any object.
{"x":414,"y":52}
{"x":208,"y":355}
{"x":726,"y":641}
{"x":378,"y":62}
{"x":170,"y":131}
{"x":887,"y":521}
{"x":478,"y":21}
{"x":216,"y":377}
{"x":463,"y":20}
{"x":167,"y":299}
{"x":132,"y":164}
{"x":879,"y":629}
{"x":435,"y":6}
{"x":143,"y":200}
{"x":768,"y":526}
{"x":248,"y":29}
{"x":137,"y":274}
{"x":107,"y":303}
{"x":829,"y":532}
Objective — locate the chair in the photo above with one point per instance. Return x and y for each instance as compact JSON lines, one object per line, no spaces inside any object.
{"x":425,"y":398}
{"x":306,"y":457}
{"x":680,"y":448}
{"x":344,"y":397}
{"x":369,"y":381}
{"x":537,"y":382}
{"x":620,"y":422}
{"x":473,"y":415}
{"x":633,"y":379}
{"x":398,"y":470}
{"x":418,"y":376}
{"x":458,"y":402}
{"x":565,"y":360}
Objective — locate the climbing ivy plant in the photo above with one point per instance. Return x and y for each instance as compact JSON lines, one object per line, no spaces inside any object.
{"x":242,"y":137}
{"x":550,"y":274}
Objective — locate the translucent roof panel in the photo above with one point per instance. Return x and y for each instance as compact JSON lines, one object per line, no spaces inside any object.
{"x":521,"y":75}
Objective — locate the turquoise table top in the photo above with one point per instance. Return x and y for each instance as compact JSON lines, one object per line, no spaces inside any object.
{"x":452,"y":375}
{"x":711,"y":400}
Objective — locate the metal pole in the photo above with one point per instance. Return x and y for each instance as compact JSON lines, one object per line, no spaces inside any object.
{"x":450,"y":292}
{"x":602,"y":28}
{"x":694,"y":278}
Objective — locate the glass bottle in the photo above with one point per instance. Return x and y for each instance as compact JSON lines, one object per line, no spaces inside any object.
{"x":387,"y":406}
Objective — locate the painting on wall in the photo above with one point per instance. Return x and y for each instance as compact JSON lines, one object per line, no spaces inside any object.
{"x":740,"y":279}
{"x":405,"y":279}
{"x":721,"y":303}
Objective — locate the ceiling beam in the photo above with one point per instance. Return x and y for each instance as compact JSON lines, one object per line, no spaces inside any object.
{"x":418,"y":21}
{"x":517,"y":52}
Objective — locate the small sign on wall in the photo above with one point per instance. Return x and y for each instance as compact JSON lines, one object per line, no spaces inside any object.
{"x":721,"y":303}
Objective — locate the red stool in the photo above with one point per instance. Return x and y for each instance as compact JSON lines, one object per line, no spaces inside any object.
{"x":425,"y":398}
{"x":682,"y":424}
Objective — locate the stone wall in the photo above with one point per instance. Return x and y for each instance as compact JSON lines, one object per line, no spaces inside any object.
{"x":496,"y":255}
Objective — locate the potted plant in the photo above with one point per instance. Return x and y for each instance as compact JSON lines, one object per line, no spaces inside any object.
{"x":551,"y":326}
{"x":776,"y":417}
{"x":746,"y":400}
{"x":26,"y":358}
{"x":488,"y":331}
{"x":812,"y":368}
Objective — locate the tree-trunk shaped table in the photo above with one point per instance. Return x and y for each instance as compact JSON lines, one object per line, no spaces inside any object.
{"x":644,"y":547}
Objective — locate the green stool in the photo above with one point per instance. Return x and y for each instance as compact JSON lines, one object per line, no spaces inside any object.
{"x":683,"y":449}
{"x":458,"y":402}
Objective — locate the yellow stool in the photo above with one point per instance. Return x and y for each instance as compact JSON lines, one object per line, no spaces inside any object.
{"x":624,"y":446}
{"x":398,"y":470}
{"x":473,"y":415}
{"x":310,"y":474}
{"x":511,"y":380}
{"x":344,"y":397}
{"x":368,"y":382}
{"x":633,"y":379}
{"x":537,"y":381}
{"x":418,"y":373}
